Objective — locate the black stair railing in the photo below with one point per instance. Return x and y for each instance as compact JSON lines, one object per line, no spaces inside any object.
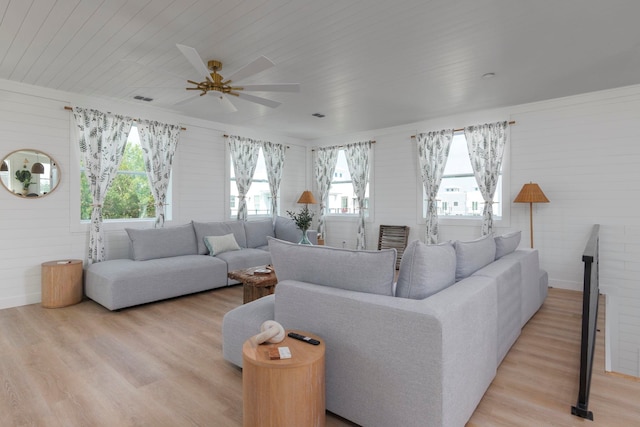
{"x":590,"y":300}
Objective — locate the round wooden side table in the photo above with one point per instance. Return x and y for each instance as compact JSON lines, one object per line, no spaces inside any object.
{"x":284,"y":392}
{"x":61,"y":283}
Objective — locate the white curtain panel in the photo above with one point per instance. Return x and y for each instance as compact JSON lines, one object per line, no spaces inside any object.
{"x":102,"y":138}
{"x":357,"y":155}
{"x":274,"y":155}
{"x":158,"y":142}
{"x":486,"y":147}
{"x":325,"y":166}
{"x":433,"y":151}
{"x":244,"y":155}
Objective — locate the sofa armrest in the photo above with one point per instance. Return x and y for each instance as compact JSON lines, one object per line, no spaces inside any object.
{"x":395,"y":361}
{"x":241,"y":323}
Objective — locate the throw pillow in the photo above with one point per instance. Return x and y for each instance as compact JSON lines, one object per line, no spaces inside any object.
{"x":257,"y":232}
{"x":286,"y":229}
{"x":426,"y":270}
{"x":362,"y":271}
{"x":221,"y":244}
{"x":472,"y":256}
{"x":152,"y":243}
{"x":507,"y":243}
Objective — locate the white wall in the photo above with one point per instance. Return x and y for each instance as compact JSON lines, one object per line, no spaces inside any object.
{"x":35,"y":230}
{"x":584,"y":152}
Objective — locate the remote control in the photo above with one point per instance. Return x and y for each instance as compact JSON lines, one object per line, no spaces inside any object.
{"x":304,"y":338}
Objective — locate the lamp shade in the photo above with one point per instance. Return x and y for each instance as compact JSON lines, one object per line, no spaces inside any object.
{"x":307,"y":198}
{"x":37,"y":168}
{"x":531,"y":193}
{"x":4,"y":167}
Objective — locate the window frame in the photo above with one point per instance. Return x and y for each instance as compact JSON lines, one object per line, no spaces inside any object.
{"x":78,"y":225}
{"x":472,"y":221}
{"x":228,"y":207}
{"x":369,"y":206}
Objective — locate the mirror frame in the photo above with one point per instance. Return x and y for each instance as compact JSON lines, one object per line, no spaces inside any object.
{"x":36,"y":154}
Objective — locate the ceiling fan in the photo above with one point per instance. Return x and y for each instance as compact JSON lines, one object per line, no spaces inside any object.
{"x":214,"y":82}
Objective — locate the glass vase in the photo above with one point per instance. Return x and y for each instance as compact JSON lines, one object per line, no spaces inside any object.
{"x":305,"y":239}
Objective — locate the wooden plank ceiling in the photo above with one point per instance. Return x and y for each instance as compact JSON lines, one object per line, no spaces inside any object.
{"x":365,"y":64}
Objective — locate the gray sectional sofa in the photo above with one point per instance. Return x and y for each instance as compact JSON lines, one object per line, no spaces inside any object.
{"x":174,"y":261}
{"x":420,"y":353}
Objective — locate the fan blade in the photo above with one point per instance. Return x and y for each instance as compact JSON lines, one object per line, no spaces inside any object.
{"x":226,"y":103}
{"x":258,"y":100}
{"x":279,"y":87}
{"x":192,"y":56}
{"x":255,"y":67}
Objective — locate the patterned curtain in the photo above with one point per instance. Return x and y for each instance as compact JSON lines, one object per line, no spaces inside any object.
{"x":325,"y":166}
{"x":244,"y":155}
{"x":158,"y":142}
{"x":357,"y":155}
{"x":486,"y":147}
{"x":433,"y":151}
{"x":274,"y":160}
{"x":102,"y":138}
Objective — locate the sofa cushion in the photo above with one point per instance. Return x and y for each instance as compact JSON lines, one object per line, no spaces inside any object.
{"x":507,"y":243}
{"x":286,"y":229}
{"x":220,"y":244}
{"x":257,"y":232}
{"x":152,"y":243}
{"x":426,"y":270}
{"x":219,"y":228}
{"x":361,"y":271}
{"x":472,"y":256}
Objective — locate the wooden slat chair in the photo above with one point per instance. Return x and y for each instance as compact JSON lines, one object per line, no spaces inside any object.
{"x":394,"y":236}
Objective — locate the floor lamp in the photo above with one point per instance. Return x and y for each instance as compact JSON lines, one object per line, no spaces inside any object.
{"x":531,"y":193}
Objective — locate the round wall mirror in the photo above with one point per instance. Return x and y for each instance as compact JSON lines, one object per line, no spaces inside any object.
{"x":29,"y":173}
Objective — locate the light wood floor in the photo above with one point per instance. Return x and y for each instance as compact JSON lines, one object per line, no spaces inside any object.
{"x":161,"y":365}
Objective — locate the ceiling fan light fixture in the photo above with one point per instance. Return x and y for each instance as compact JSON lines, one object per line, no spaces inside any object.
{"x":214,"y":82}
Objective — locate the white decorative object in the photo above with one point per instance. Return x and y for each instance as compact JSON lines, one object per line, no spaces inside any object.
{"x":271,"y":331}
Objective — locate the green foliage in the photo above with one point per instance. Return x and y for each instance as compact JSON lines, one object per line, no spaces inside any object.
{"x":129,"y":195}
{"x":302,"y":219}
{"x":24,"y":176}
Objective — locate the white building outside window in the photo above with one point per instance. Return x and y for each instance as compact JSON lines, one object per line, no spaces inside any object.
{"x":459,"y":196}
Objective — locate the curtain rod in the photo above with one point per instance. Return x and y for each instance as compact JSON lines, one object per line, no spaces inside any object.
{"x":227,"y":136}
{"x":340,"y":146}
{"x":66,"y":107}
{"x":512,"y":122}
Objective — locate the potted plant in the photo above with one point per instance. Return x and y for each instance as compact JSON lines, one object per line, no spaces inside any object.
{"x":303,"y":221}
{"x":24,"y":176}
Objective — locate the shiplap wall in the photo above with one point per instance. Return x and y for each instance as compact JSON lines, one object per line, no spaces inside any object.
{"x":584,"y":152}
{"x":33,"y":230}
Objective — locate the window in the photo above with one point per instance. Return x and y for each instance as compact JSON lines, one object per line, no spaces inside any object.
{"x":342,"y":197}
{"x":459,"y":195}
{"x":129,"y":196}
{"x":259,"y":196}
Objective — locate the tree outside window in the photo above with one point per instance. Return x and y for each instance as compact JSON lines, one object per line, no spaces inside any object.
{"x":129,"y":196}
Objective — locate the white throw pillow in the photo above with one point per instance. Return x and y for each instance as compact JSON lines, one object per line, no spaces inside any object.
{"x":220,"y":244}
{"x":426,"y":270}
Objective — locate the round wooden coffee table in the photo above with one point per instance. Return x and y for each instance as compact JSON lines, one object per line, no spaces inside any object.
{"x":285,"y":392}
